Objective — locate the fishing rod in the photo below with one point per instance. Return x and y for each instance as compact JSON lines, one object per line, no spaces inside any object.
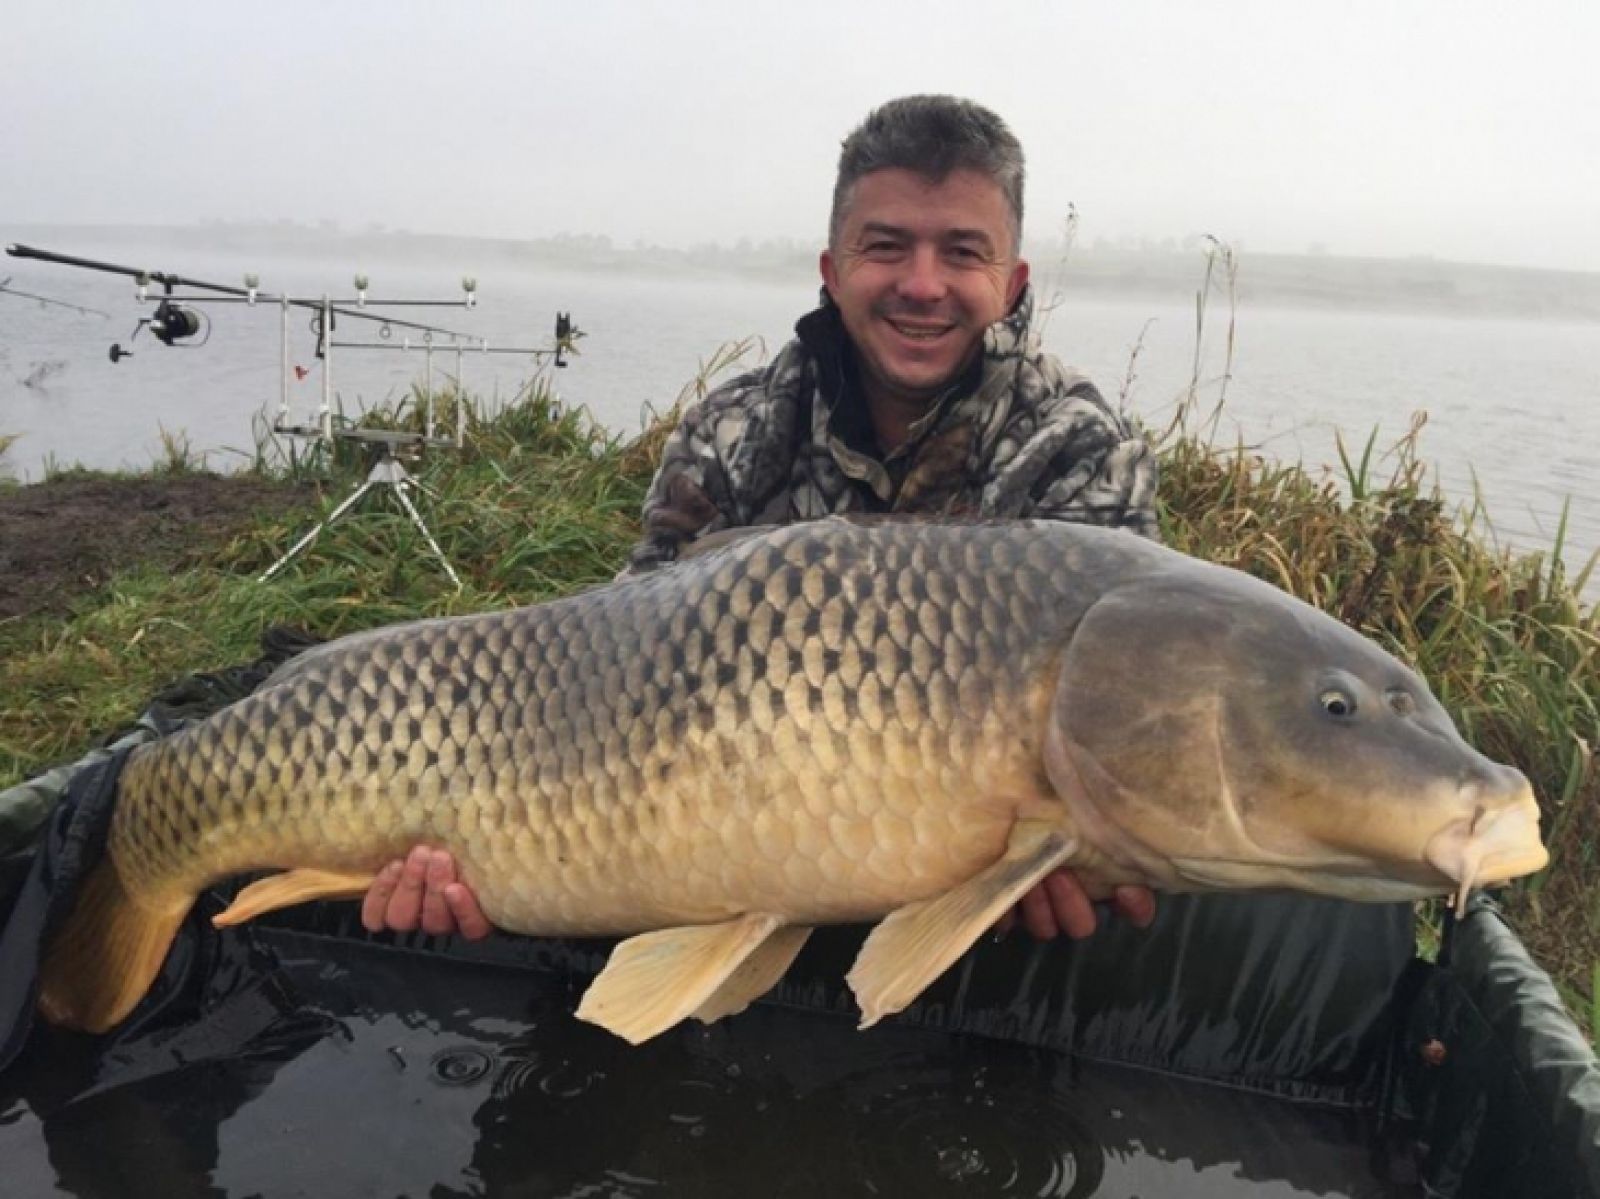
{"x":174,"y":322}
{"x":251,"y":293}
{"x":178,"y":318}
{"x":8,"y":290}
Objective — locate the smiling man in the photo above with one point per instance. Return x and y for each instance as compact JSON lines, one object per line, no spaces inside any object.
{"x":922,"y":268}
{"x":918,"y":386}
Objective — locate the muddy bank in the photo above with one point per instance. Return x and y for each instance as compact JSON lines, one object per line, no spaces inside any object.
{"x":62,"y":539}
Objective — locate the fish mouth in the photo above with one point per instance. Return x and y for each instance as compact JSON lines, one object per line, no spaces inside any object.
{"x":1490,"y":846}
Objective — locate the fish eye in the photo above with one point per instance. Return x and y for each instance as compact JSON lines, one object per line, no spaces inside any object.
{"x":1337,"y":703}
{"x":1401,"y":702}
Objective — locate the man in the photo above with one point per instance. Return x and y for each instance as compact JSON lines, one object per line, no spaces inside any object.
{"x":917,"y":387}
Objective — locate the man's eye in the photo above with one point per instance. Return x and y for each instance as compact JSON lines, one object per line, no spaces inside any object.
{"x":880,"y":248}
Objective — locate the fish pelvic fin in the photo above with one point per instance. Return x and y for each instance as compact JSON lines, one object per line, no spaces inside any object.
{"x":756,"y":975}
{"x":108,"y":953}
{"x":289,"y":888}
{"x":917,"y":943}
{"x":656,"y":979}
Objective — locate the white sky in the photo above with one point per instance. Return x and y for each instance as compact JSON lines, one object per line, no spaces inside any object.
{"x":1464,"y":130}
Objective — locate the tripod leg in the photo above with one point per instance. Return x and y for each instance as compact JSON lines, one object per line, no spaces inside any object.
{"x":416,"y":519}
{"x":312,"y":536}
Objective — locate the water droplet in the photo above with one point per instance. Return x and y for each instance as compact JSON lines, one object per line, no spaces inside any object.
{"x":956,"y":1162}
{"x":460,"y":1066}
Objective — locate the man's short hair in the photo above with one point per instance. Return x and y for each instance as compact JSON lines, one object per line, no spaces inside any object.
{"x":933,"y":136}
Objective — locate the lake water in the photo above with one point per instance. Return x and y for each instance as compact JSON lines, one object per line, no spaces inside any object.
{"x":1513,"y":405}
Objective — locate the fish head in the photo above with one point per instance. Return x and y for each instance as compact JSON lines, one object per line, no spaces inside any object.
{"x":1221,"y":734}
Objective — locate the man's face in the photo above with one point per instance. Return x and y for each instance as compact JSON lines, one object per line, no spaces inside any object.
{"x":919,"y":270}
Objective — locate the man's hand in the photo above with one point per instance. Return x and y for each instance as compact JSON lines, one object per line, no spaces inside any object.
{"x":1060,"y":905}
{"x":423,"y":890}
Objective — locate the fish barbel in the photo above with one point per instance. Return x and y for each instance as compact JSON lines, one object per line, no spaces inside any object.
{"x":844,"y":720}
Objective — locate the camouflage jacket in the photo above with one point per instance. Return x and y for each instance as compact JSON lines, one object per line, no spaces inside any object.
{"x":1019,"y":435}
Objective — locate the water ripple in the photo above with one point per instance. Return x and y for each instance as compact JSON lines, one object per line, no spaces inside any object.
{"x":952,"y":1132}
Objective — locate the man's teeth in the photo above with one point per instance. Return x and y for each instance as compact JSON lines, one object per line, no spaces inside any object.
{"x":918,"y":334}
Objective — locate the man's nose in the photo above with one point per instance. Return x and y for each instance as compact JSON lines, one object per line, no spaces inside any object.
{"x":923,"y":279}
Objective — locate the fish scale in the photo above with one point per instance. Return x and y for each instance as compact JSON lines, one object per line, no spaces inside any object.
{"x":817,"y":689}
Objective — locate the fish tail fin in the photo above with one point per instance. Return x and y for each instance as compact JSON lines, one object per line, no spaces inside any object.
{"x":108,"y":953}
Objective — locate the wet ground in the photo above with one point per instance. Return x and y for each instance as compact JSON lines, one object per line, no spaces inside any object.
{"x":372,"y":1071}
{"x":65,"y":537}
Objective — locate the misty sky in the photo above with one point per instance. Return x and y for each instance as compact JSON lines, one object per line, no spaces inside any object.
{"x":1463,"y":130}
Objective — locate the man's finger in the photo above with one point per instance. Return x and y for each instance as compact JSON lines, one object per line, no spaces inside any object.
{"x":405,"y":905}
{"x":471,"y":923}
{"x":436,"y":917}
{"x":1137,"y":905}
{"x":1069,"y":903}
{"x":376,"y":900}
{"x":1037,"y":917}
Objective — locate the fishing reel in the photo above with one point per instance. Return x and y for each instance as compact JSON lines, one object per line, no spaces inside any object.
{"x":171,"y":323}
{"x":567,"y":335}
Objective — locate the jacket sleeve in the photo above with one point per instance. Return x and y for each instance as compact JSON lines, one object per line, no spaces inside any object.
{"x":691,"y":494}
{"x":1077,"y":459}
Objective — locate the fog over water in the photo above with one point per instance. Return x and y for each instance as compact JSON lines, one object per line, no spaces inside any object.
{"x":1506,"y":364}
{"x":1464,"y":131}
{"x":664,"y":173}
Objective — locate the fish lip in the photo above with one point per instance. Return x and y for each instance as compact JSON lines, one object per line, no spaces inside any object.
{"x":1489,"y":846}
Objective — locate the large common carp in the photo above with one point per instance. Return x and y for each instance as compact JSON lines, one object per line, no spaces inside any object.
{"x":836,"y":721}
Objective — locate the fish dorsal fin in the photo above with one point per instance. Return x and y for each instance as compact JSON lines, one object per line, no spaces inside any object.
{"x":721,"y":539}
{"x":657,"y":979}
{"x":919,"y":942}
{"x":289,"y":888}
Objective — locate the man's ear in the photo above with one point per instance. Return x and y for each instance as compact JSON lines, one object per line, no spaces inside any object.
{"x":1014,"y":285}
{"x":830,"y":273}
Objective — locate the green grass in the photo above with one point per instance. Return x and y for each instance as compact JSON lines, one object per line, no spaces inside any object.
{"x":541,"y":503}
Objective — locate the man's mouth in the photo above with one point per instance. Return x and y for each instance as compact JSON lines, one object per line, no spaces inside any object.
{"x":919,"y":330}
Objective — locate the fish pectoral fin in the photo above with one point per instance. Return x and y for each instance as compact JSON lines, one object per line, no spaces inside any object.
{"x":289,"y":888}
{"x":917,"y":943}
{"x":756,"y":975}
{"x":656,"y":979}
